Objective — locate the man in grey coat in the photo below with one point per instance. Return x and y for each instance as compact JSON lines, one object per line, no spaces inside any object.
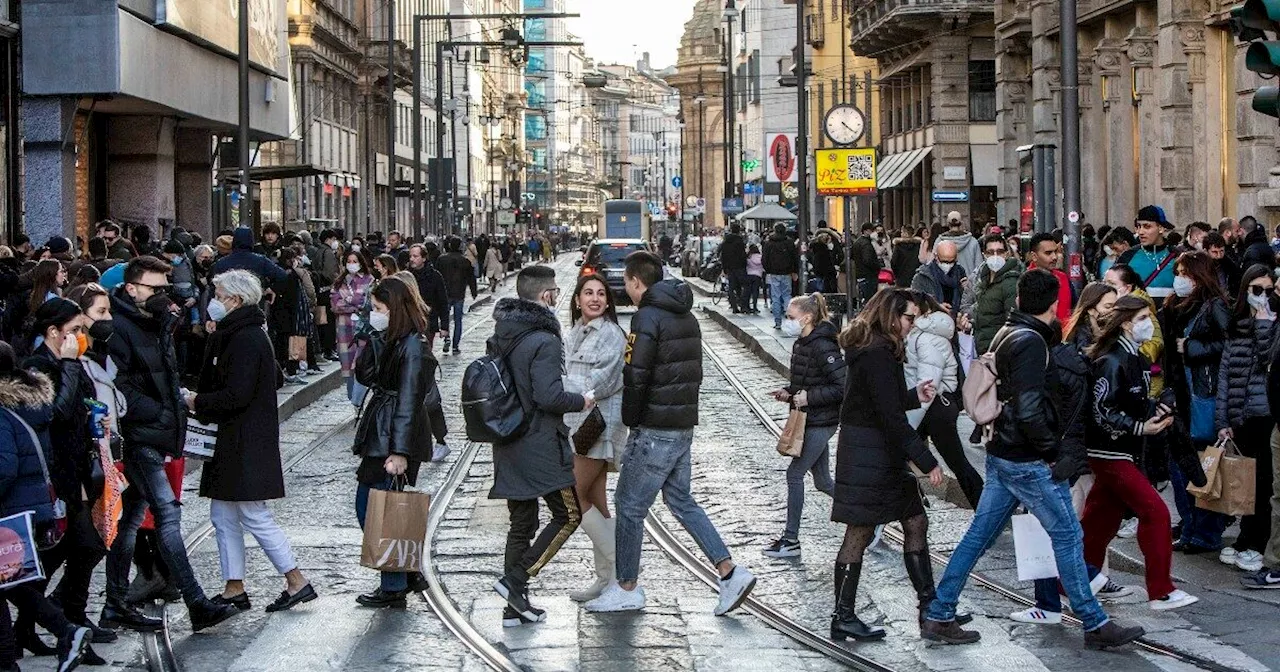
{"x":538,"y":463}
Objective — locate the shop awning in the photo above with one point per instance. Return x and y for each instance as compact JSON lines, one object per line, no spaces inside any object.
{"x":767,"y":212}
{"x":895,"y":167}
{"x":265,"y":173}
{"x":986,"y":165}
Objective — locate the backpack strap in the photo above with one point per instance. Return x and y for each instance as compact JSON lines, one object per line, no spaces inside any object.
{"x":1168,"y":259}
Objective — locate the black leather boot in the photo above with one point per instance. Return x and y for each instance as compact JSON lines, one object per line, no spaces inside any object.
{"x":844,"y":621}
{"x":920,"y":569}
{"x":119,"y":614}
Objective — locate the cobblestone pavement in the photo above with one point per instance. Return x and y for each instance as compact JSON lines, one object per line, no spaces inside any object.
{"x":739,"y":479}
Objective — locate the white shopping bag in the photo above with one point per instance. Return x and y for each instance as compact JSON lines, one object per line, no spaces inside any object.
{"x":1033,"y":548}
{"x":201,"y":440}
{"x":967,"y":351}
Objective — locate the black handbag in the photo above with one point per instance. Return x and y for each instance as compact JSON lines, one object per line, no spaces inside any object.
{"x":590,"y":431}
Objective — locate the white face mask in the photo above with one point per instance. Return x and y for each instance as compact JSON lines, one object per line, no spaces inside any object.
{"x":1143,"y":331}
{"x":333,"y":245}
{"x":946,"y":267}
{"x":791,"y":328}
{"x":1183,"y":286}
{"x":356,"y":247}
{"x":217,"y":310}
{"x":1109,"y":251}
{"x":379,"y":321}
{"x":353,"y":268}
{"x":995,"y":263}
{"x":1259,"y":302}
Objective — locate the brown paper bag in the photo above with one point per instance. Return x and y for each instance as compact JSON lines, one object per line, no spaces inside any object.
{"x":321,"y":316}
{"x":298,"y":348}
{"x":1236,"y":474}
{"x":395,"y":531}
{"x":1211,"y":461}
{"x":791,"y":443}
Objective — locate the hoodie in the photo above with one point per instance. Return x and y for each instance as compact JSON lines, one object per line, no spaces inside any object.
{"x":539,"y":461}
{"x":663,"y":370}
{"x":243,"y":257}
{"x":968,"y":250}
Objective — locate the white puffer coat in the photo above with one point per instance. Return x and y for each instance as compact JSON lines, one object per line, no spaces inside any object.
{"x":930,"y":357}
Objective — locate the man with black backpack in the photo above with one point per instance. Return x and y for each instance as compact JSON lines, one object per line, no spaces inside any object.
{"x":538,"y":461}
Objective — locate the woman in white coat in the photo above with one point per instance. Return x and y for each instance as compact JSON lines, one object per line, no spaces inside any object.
{"x":931,"y":356}
{"x":594,"y":350}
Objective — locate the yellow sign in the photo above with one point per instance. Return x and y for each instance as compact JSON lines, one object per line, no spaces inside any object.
{"x":845,"y":172}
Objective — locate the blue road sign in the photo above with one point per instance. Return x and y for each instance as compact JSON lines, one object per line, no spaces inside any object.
{"x":677,"y":181}
{"x":731,"y":206}
{"x":950,"y":196}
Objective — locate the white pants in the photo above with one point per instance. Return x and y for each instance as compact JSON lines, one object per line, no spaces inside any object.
{"x":231,"y":520}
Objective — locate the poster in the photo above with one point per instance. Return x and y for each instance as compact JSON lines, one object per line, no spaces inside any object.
{"x":217,"y":23}
{"x":845,"y":172}
{"x":781,"y":163}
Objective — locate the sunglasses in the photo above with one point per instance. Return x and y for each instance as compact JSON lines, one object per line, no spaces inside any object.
{"x":1259,"y":290}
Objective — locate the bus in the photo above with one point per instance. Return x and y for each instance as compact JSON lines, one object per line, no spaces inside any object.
{"x":624,"y":219}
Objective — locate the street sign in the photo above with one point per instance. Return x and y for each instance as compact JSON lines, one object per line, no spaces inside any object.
{"x":677,"y":182}
{"x":731,"y":206}
{"x":1073,"y":216}
{"x":845,"y":172}
{"x":701,"y":203}
{"x":752,"y":188}
{"x":950,"y":196}
{"x":528,"y":196}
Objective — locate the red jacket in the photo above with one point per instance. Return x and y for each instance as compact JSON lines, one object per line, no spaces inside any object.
{"x":1064,"y":294}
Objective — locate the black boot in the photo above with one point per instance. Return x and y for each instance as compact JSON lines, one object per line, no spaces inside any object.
{"x":206,"y":613}
{"x":920,"y":570}
{"x":844,"y":621}
{"x":119,"y":614}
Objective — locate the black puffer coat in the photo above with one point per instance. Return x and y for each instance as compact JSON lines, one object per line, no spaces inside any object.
{"x":540,"y":461}
{"x":398,"y":418}
{"x":874,"y":484}
{"x":1071,"y":393}
{"x":1205,"y":328}
{"x":142,"y":348}
{"x":663,"y":371}
{"x":70,"y":456}
{"x":1242,"y":374}
{"x":237,"y":391}
{"x":818,"y":368}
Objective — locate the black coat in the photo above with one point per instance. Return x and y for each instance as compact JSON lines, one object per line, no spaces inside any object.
{"x":866,"y":263}
{"x":874,"y":483}
{"x":237,"y":391}
{"x":663,"y":371}
{"x":432,"y":288}
{"x":817,"y":366}
{"x":22,"y":487}
{"x":284,"y":309}
{"x":733,"y":252}
{"x":779,"y":256}
{"x":148,"y":377}
{"x":1071,"y":389}
{"x":905,"y":260}
{"x":70,"y":454}
{"x":1027,"y":428}
{"x":1256,"y":251}
{"x":458,"y":274}
{"x":1121,"y":382}
{"x":399,"y":415}
{"x":540,"y":461}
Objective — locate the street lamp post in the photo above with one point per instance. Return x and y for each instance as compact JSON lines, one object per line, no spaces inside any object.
{"x":700,"y":100}
{"x":802,"y":140}
{"x":730,"y":107}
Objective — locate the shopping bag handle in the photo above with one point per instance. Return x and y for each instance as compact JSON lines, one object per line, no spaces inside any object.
{"x":1228,"y":446}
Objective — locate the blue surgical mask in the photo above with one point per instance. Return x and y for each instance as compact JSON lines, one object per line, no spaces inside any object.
{"x":177,"y":261}
{"x":217,"y":310}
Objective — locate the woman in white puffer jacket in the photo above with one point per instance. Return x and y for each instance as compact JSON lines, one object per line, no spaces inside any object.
{"x":931,"y":356}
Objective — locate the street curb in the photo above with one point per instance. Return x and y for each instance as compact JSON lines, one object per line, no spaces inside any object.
{"x":310,"y":393}
{"x":950,"y":489}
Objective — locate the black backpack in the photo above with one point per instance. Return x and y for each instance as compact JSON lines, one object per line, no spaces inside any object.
{"x":491,"y":406}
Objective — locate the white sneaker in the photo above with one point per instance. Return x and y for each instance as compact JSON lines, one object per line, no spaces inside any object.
{"x":1129,"y":529}
{"x":1175,"y":600}
{"x":1227,"y":555}
{"x":735,"y":591}
{"x":614,"y":598}
{"x":1249,"y":561}
{"x":1037,"y":616}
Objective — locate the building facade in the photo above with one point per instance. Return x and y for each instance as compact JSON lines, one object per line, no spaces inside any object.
{"x":648,"y":128}
{"x":699,"y":78}
{"x":10,"y":138}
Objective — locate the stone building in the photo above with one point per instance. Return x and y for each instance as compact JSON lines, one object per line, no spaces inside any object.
{"x":937,"y":96}
{"x":701,"y":88}
{"x":1164,"y":109}
{"x":10,"y":141}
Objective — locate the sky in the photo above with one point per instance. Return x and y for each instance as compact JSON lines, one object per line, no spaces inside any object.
{"x":619,"y":31}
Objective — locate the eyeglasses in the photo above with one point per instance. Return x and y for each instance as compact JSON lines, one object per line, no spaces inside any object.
{"x":159,"y":289}
{"x":1259,"y":290}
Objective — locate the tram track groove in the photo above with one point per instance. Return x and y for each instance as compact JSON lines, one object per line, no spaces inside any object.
{"x":894,"y":535}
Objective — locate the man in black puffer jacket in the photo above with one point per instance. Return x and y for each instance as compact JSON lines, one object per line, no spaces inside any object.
{"x":733,"y":258}
{"x":661,"y":378}
{"x":1256,"y":248}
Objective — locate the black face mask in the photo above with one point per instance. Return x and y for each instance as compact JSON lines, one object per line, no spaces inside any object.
{"x":101,"y":331}
{"x":158,"y":304}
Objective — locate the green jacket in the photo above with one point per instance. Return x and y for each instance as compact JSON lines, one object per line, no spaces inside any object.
{"x":996,"y":297}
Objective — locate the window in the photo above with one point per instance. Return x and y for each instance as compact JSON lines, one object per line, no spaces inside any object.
{"x":753,"y":65}
{"x":982,"y":90}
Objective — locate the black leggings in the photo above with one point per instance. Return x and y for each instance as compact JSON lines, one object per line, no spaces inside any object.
{"x":857,"y":538}
{"x":939,"y":424}
{"x":523,"y":559}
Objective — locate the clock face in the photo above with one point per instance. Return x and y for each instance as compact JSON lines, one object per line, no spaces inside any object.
{"x":844,"y":124}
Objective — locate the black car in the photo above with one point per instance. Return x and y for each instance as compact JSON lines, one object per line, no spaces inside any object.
{"x":608,"y":258}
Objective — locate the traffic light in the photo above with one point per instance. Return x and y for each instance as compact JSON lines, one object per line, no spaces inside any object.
{"x":1252,"y":22}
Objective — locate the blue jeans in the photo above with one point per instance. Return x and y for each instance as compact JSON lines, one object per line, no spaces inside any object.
{"x":1201,"y":527}
{"x":1047,"y":596}
{"x":392,"y":582}
{"x":458,"y":309}
{"x":657,"y":460}
{"x":779,"y":294}
{"x":1030,"y":483}
{"x":149,"y":489}
{"x":814,"y":458}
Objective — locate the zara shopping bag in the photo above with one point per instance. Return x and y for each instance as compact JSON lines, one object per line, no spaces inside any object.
{"x":395,"y":531}
{"x":1033,"y":548}
{"x":1236,"y":475}
{"x":19,"y":562}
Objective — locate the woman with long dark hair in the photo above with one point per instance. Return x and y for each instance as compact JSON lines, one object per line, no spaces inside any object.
{"x":1242,"y":411}
{"x":1127,"y":418}
{"x":395,"y":429}
{"x":877,"y":445}
{"x":1195,"y":320}
{"x":1096,"y":301}
{"x":593,"y":357}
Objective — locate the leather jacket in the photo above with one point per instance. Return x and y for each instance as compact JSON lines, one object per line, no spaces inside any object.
{"x":1027,"y":428}
{"x":396,"y":419}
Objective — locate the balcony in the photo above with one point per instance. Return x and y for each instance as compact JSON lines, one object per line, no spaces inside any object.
{"x":879,"y":26}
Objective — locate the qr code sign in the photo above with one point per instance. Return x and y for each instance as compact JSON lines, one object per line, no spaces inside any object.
{"x":861,"y":168}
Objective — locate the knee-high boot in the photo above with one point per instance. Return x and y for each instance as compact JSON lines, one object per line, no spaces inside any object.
{"x":603,"y":543}
{"x":920,"y":569}
{"x":844,"y":621}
